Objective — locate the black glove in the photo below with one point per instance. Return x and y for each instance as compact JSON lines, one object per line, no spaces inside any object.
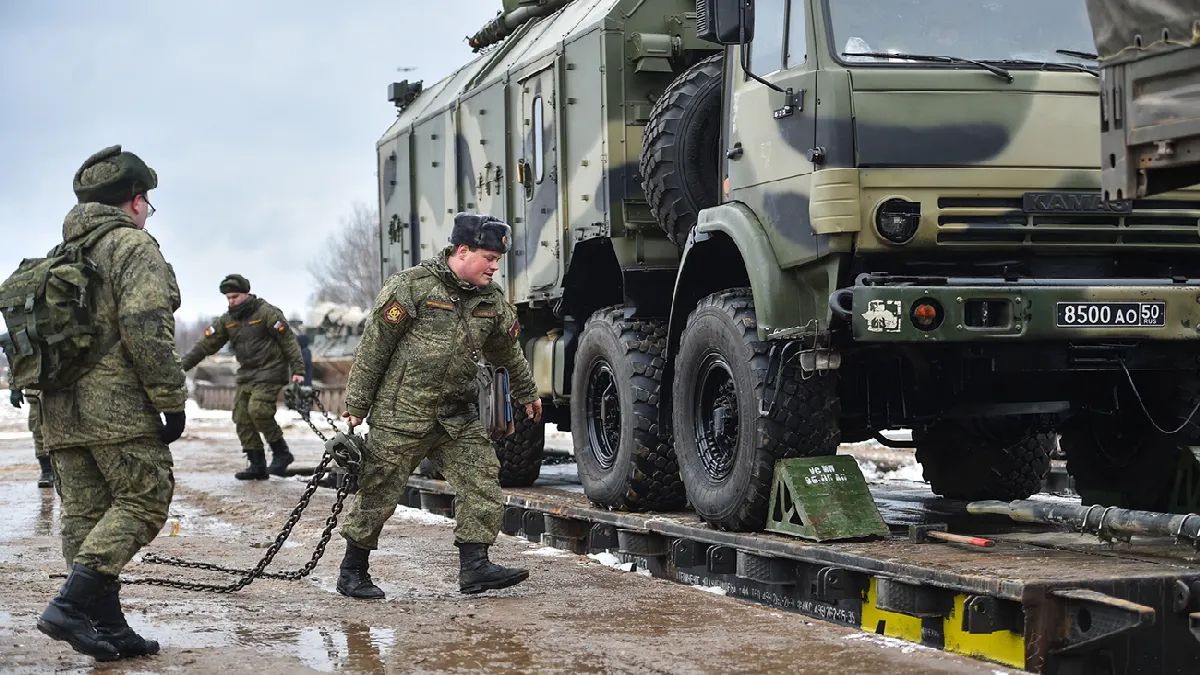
{"x":16,"y":398}
{"x":173,"y":425}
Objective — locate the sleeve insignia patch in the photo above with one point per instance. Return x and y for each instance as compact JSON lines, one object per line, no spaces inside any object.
{"x":210,"y":331}
{"x":394,"y":313}
{"x":280,"y":326}
{"x":514,"y":329}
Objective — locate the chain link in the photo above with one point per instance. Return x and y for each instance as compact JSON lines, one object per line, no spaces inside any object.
{"x":345,"y":450}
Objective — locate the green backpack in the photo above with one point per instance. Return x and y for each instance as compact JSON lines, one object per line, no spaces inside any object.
{"x":49,"y":307}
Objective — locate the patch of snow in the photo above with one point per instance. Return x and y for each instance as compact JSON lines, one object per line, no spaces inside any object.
{"x":715,"y":590}
{"x":904,"y":646}
{"x":15,"y":435}
{"x":412,"y":515}
{"x":609,"y":560}
{"x":909,"y":471}
{"x":549,"y":552}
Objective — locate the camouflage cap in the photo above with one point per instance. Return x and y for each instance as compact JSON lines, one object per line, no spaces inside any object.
{"x":113,"y":177}
{"x":235,"y":283}
{"x":481,"y":231}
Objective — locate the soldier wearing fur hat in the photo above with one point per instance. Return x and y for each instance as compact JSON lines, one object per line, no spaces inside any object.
{"x":106,"y":432}
{"x":268,"y":357}
{"x":413,"y":378}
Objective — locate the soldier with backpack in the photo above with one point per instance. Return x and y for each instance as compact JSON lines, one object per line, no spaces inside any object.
{"x":91,"y":326}
{"x":34,"y":399}
{"x":268,"y":357}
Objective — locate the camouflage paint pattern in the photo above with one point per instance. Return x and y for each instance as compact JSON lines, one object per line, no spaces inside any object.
{"x":115,"y":500}
{"x":264,"y":345}
{"x":413,"y":369}
{"x":254,"y":408}
{"x":34,"y":400}
{"x":122,"y":397}
{"x":468,"y":462}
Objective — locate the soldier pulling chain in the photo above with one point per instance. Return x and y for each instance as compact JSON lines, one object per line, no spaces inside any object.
{"x":345,"y":450}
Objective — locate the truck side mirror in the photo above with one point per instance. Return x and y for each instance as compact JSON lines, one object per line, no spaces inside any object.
{"x":725,"y":22}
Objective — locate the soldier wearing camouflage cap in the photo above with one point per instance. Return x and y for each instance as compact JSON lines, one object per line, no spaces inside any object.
{"x":268,"y":357}
{"x":414,"y":375}
{"x":104,"y":433}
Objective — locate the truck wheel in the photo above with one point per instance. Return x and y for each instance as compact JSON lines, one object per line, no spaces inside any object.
{"x":727,"y":446}
{"x":681,"y":149}
{"x":985,"y":459}
{"x":520,"y":454}
{"x":624,"y":460}
{"x":1122,"y":460}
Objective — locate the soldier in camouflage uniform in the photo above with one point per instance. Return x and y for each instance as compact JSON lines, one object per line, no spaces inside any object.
{"x":106,"y":433}
{"x":268,"y":357}
{"x":16,"y":397}
{"x":414,"y":374}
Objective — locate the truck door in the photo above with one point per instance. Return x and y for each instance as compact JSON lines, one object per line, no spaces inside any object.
{"x":769,"y":137}
{"x":537,"y":184}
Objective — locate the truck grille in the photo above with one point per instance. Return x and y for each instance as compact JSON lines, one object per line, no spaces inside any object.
{"x":992,"y":221}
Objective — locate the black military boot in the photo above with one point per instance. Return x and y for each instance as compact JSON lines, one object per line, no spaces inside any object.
{"x":281,"y":457}
{"x":112,"y":627}
{"x":70,"y":615}
{"x":258,"y":466}
{"x":47,"y":478}
{"x":477,"y":574}
{"x":353,"y":580}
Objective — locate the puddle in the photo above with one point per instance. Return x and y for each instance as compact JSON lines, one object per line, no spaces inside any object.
{"x":28,"y":511}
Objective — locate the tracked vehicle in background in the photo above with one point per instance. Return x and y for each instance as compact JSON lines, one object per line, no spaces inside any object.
{"x":745,"y":231}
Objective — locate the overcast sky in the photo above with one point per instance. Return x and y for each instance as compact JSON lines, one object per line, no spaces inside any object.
{"x":259,"y":117}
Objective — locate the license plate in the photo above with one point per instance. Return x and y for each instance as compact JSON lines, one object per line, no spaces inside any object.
{"x":1112,"y":314}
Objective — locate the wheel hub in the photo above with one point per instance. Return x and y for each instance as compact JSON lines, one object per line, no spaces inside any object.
{"x":715,"y":417}
{"x":603,"y":407}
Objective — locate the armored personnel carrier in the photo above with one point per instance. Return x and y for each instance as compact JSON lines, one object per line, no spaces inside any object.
{"x":745,"y":231}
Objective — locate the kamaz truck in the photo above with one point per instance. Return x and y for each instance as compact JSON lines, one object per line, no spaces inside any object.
{"x":750,"y":230}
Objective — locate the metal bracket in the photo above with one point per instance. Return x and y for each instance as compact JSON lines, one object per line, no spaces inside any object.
{"x":983,"y":614}
{"x":793,"y":102}
{"x":1093,"y":617}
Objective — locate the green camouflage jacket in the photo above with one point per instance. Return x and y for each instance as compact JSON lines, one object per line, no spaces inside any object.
{"x":139,"y":376}
{"x":413,"y":366}
{"x":266,"y":348}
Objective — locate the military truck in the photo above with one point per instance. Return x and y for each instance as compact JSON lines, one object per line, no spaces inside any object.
{"x":745,"y":231}
{"x":1150,"y":111}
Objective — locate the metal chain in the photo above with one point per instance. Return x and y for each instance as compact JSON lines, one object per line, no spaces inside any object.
{"x":346,"y":450}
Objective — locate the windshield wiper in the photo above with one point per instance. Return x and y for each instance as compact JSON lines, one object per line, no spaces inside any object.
{"x":995,"y":70}
{"x":1078,"y":55}
{"x":1049,"y":65}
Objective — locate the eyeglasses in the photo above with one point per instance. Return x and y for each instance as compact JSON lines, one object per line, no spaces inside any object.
{"x":152,"y":209}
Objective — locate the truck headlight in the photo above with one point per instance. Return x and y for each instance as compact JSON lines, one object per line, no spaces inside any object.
{"x":897,"y":220}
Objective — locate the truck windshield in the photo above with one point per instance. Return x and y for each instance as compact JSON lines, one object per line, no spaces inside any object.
{"x":1023,"y":33}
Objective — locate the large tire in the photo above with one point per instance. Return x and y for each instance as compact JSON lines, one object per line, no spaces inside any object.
{"x":1120,"y":459}
{"x":727,"y":447}
{"x":520,"y":454}
{"x":681,"y":149}
{"x":1002,"y":459}
{"x":624,"y":460}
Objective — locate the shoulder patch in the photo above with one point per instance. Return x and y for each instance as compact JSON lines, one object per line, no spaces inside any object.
{"x":210,"y":331}
{"x":439,"y":304}
{"x":280,"y":326}
{"x":254,"y":322}
{"x":514,"y":329}
{"x":394,"y":313}
{"x":231,"y":324}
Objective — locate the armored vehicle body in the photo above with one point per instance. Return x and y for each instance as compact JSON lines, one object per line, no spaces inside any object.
{"x":748,"y":231}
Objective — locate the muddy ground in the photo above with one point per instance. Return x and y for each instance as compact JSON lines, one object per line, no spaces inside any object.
{"x":575,"y":614}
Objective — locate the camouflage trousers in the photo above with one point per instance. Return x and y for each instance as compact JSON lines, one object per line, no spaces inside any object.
{"x":35,"y":424}
{"x":115,"y":499}
{"x":254,"y":414}
{"x":469,"y":464}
